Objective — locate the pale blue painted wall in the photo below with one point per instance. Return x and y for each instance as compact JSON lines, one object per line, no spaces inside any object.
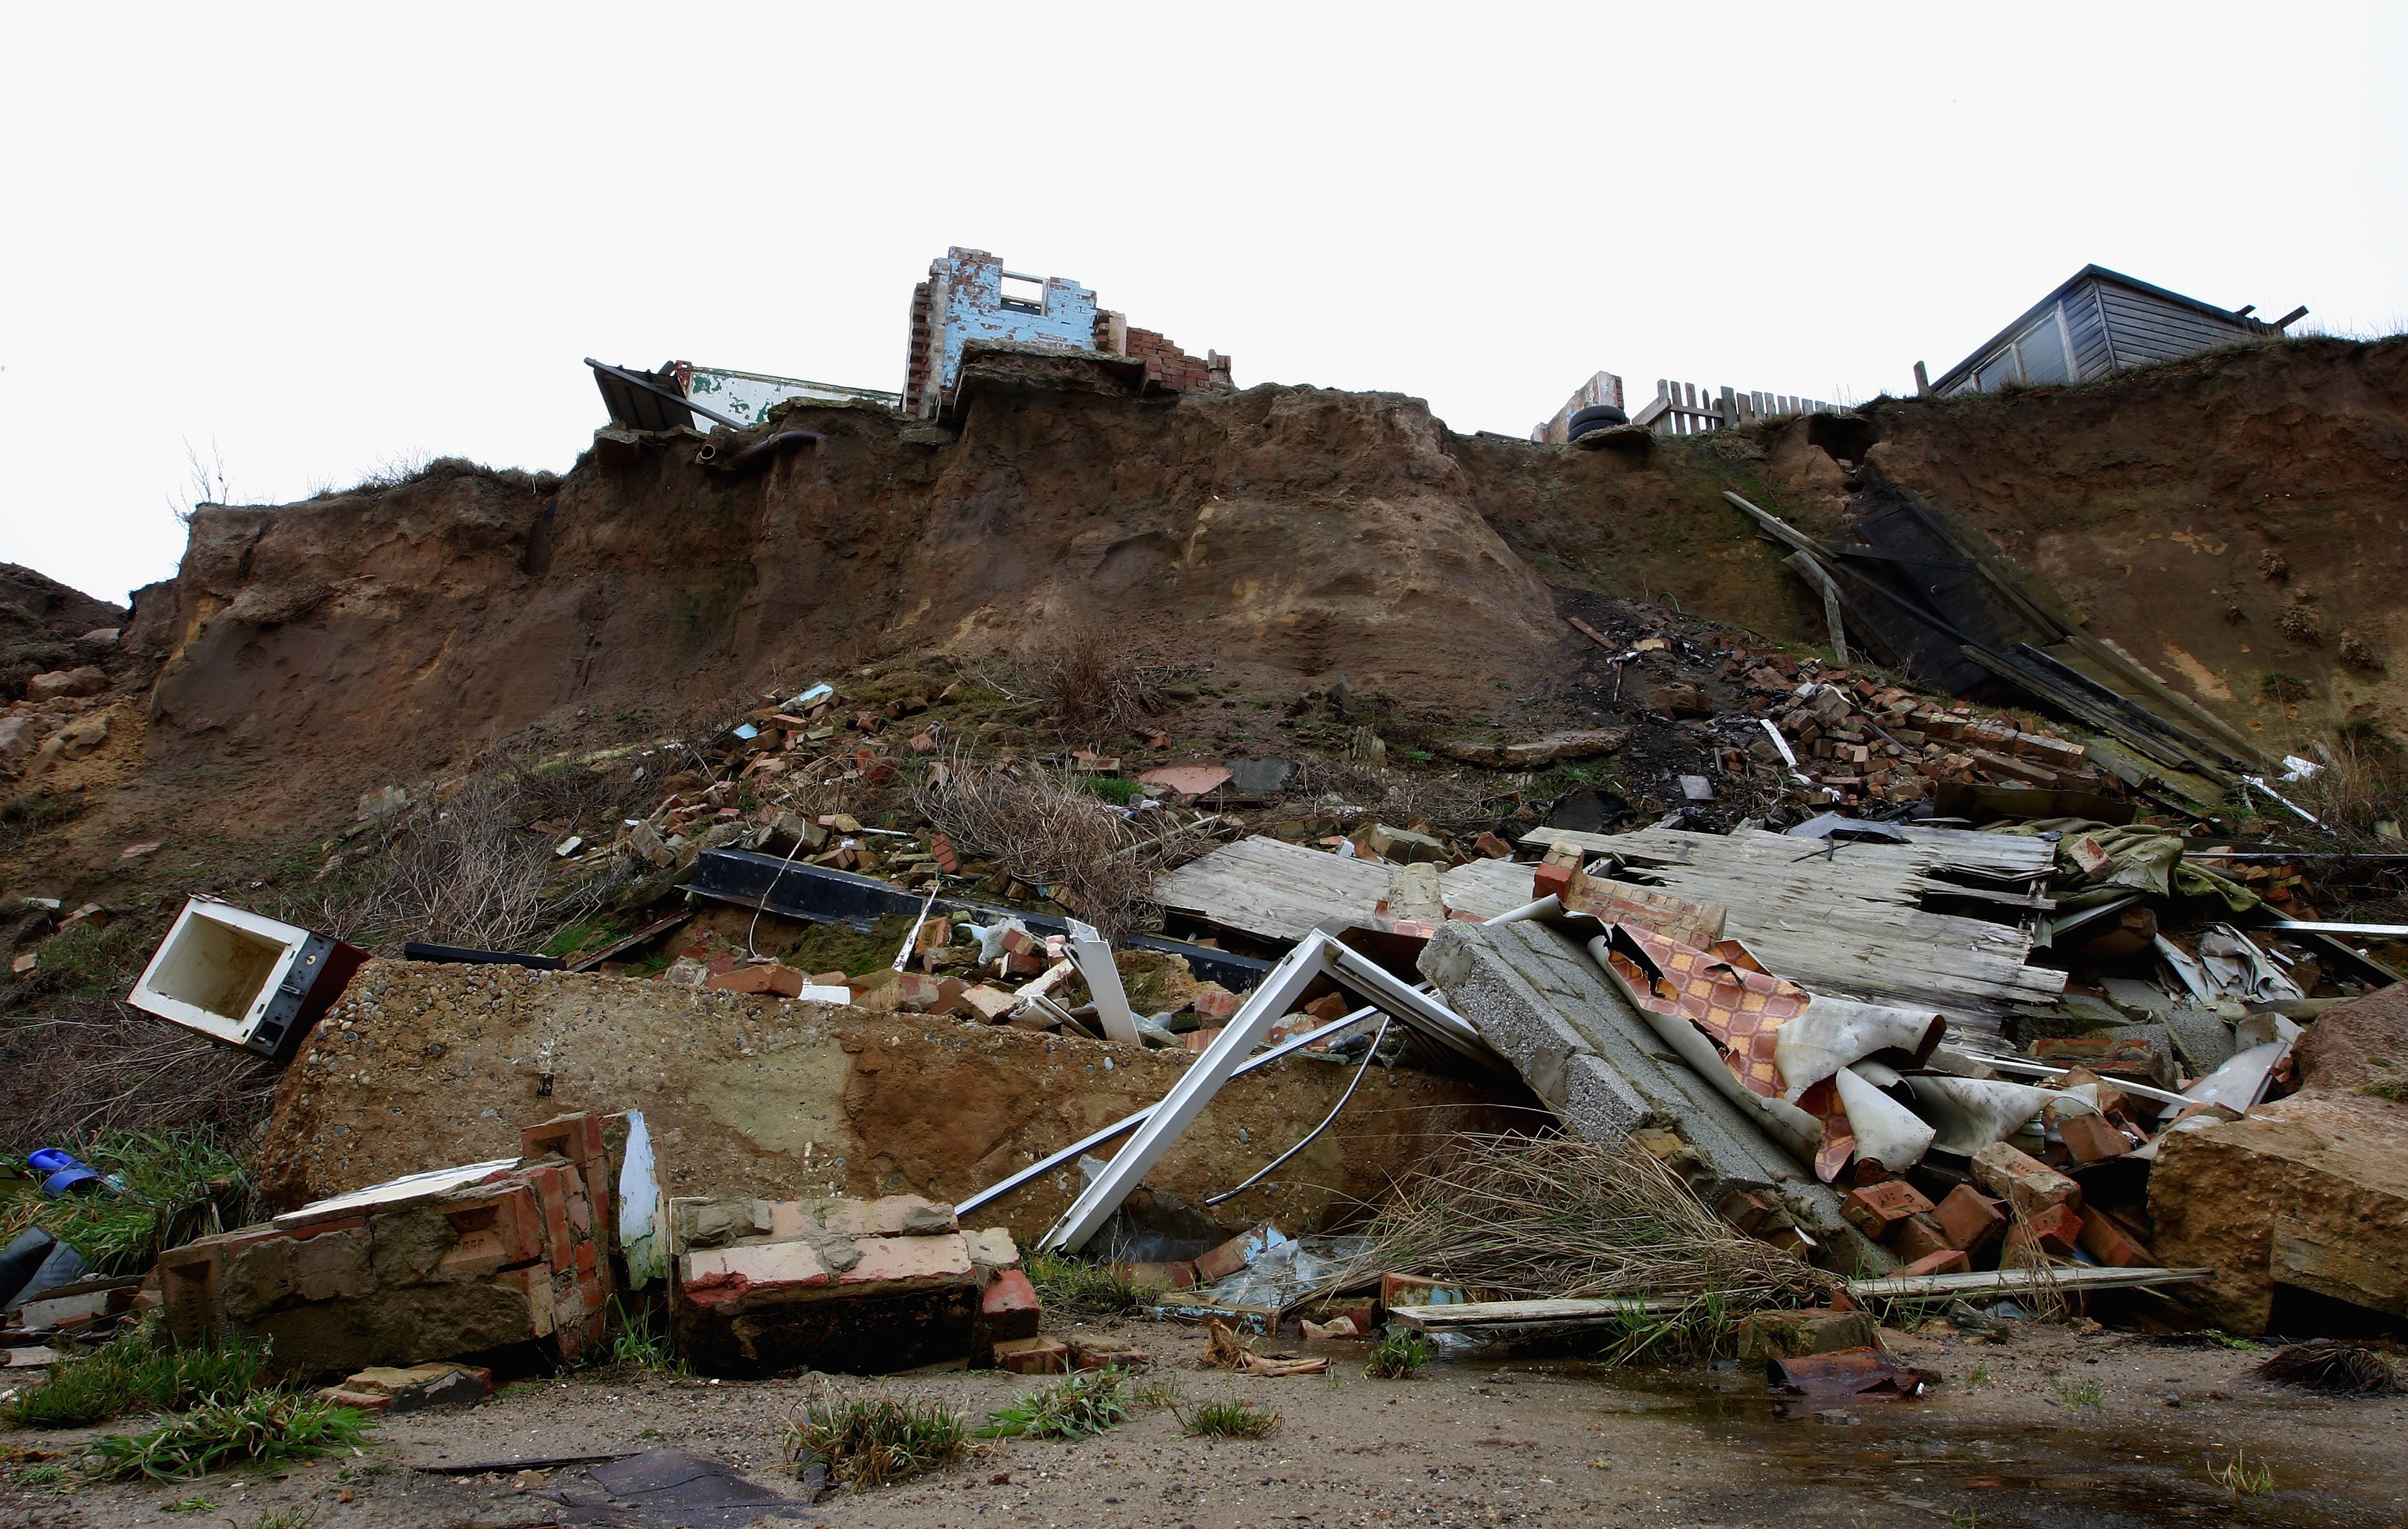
{"x":975,"y":310}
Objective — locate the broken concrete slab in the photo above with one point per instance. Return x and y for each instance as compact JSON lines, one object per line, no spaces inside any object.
{"x":748,"y":1095}
{"x":1538,"y":997}
{"x":2309,"y":1191}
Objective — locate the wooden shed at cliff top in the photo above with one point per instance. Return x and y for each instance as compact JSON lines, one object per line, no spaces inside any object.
{"x":2099,"y":323}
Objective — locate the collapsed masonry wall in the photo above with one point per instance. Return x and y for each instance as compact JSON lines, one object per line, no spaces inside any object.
{"x":421,"y":1065}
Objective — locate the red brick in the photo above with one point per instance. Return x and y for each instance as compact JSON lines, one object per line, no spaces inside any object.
{"x":2059,"y":1228}
{"x":768,"y":978}
{"x":2027,"y":1184}
{"x":1917,"y":1238}
{"x":1033,"y":1356}
{"x":2091,"y":1139}
{"x":1971,"y":1220}
{"x":2109,"y":1244}
{"x":577,"y":1137}
{"x":1228,"y":1258}
{"x":1213,"y":1004}
{"x":1180,"y":1275}
{"x":1877,"y":1209}
{"x":1009,"y":1307}
{"x":1551,"y":881}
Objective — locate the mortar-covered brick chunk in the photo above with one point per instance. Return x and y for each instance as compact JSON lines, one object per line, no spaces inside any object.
{"x":719,"y":1275}
{"x":905,"y":1259}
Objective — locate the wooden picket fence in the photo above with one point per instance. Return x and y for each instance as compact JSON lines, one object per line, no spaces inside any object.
{"x":1684,"y":408}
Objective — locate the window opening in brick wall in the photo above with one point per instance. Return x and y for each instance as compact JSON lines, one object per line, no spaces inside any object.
{"x":1026,"y":294}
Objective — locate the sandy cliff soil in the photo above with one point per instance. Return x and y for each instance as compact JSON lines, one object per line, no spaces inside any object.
{"x":2226,"y":518}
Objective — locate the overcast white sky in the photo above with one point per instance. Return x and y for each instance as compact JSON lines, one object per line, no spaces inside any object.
{"x":322,"y":239}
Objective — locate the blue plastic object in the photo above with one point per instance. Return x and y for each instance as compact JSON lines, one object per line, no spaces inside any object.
{"x":62,"y":1171}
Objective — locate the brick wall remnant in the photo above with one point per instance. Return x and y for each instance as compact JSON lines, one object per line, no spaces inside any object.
{"x":966,"y":298}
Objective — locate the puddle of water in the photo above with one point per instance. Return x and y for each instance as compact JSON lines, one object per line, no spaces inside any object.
{"x":1968,"y":1471}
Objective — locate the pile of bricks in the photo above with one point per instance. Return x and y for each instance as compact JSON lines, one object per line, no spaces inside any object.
{"x":862,"y":1287}
{"x":1875,"y":742}
{"x":430,"y":1267}
{"x":2032,"y":1215}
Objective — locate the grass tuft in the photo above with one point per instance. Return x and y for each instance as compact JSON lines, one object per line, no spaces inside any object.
{"x":1074,"y":1286}
{"x":2241,"y":1476}
{"x":2081,"y":1395}
{"x":873,"y":1441}
{"x":640,"y":1340}
{"x":1399,"y":1353}
{"x":266,"y":1428}
{"x":1228,"y":1418}
{"x":179,"y":1185}
{"x":1076,"y":1406}
{"x":1160,"y":1394}
{"x":132,"y":1373}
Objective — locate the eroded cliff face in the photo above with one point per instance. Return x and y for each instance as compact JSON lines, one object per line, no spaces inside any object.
{"x":1281,"y":534}
{"x":2239,"y":515}
{"x":2225,"y":519}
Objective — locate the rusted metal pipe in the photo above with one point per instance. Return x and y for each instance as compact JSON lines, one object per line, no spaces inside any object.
{"x":755,"y":456}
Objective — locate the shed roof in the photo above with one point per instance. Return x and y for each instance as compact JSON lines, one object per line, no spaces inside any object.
{"x":2092,"y":273}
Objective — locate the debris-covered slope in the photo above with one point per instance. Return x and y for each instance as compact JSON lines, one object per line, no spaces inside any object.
{"x":2235,"y":521}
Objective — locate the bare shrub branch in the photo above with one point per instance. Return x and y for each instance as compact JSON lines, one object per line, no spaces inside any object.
{"x":98,"y":1067}
{"x":464,"y":867}
{"x":1100,"y":863}
{"x":1097,"y":684}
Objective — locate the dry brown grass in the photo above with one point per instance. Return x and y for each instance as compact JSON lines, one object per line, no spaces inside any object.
{"x":1037,"y":824}
{"x":2364,"y":782}
{"x":1554,"y":1216}
{"x":95,"y":1066}
{"x":465,"y":865}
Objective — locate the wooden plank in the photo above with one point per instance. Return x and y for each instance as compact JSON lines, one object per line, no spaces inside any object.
{"x":1852,"y":924}
{"x":1272,"y":888}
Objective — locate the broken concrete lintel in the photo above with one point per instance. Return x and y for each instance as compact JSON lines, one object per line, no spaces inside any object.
{"x":1319,"y":954}
{"x":1540,"y":1001}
